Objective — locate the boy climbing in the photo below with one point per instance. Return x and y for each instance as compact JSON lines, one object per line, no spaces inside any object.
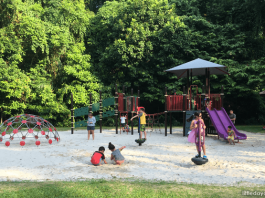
{"x":141,"y":115}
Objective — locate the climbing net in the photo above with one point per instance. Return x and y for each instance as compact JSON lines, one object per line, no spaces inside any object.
{"x":153,"y":124}
{"x":25,"y":126}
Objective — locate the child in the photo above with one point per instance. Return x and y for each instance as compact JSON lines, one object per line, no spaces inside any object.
{"x":91,"y":125}
{"x":98,"y":156}
{"x":127,"y":128}
{"x":116,"y":154}
{"x":231,"y":135}
{"x":123,"y":118}
{"x":193,"y":135}
{"x":141,"y":115}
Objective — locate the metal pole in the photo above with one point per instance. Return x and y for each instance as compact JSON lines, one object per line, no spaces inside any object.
{"x":199,"y":138}
{"x":116,"y":108}
{"x":184,"y":110}
{"x":132,"y":110}
{"x":72,"y":115}
{"x":100,"y":111}
{"x":137,"y":109}
{"x":165,"y":111}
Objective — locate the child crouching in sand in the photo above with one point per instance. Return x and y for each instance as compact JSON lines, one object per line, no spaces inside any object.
{"x":98,"y":156}
{"x":231,"y":135}
{"x":116,"y":154}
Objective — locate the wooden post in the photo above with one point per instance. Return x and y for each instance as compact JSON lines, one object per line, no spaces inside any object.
{"x":132,"y":110}
{"x":136,"y":110}
{"x":116,"y":108}
{"x":165,"y":111}
{"x":100,"y":111}
{"x":222,"y":96}
{"x":72,"y":114}
{"x":184,"y":110}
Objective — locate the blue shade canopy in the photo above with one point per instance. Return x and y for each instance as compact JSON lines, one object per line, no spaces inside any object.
{"x":198,"y":67}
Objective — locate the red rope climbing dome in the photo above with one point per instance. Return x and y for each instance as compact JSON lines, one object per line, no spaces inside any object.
{"x":25,"y":127}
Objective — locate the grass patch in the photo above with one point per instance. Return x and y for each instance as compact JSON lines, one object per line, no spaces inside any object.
{"x":118,"y":188}
{"x":251,"y":128}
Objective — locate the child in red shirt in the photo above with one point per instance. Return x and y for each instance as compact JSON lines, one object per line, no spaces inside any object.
{"x":98,"y":156}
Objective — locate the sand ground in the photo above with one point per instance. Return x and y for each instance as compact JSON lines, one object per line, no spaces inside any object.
{"x":160,"y":158}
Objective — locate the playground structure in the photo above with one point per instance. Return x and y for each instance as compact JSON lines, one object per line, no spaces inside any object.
{"x":122,"y":105}
{"x":187,"y":103}
{"x":25,"y":126}
{"x":191,"y":102}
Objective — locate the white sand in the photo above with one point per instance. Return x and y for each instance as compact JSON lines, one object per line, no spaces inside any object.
{"x":160,"y":158}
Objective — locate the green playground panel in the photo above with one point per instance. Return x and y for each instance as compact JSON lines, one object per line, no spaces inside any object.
{"x":81,"y":111}
{"x":108,"y":102}
{"x":95,"y":107}
{"x":83,"y":123}
{"x":108,"y":113}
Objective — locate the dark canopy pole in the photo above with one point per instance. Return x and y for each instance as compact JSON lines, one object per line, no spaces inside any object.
{"x":165,"y":111}
{"x":124,"y":99}
{"x":170,"y":120}
{"x":72,"y":114}
{"x":191,"y":77}
{"x":116,"y":108}
{"x":90,"y":106}
{"x":132,"y":109}
{"x":209,"y":87}
{"x":188,"y":80}
{"x":136,"y":110}
{"x":100,"y":111}
{"x":184,"y":110}
{"x":203,"y":99}
{"x":206,"y":79}
{"x":222,"y":96}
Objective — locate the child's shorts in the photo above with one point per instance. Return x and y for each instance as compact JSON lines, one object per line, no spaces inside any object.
{"x":122,"y":124}
{"x":98,"y":163}
{"x":90,"y":128}
{"x":142,"y":127}
{"x":230,"y":137}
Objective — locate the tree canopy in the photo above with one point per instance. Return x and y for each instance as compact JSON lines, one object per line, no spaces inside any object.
{"x":50,"y":48}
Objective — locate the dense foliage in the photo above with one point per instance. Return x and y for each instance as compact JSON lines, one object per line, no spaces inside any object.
{"x":50,"y":48}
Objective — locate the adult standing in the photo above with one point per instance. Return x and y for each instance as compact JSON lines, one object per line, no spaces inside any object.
{"x":232,"y":116}
{"x":91,"y":125}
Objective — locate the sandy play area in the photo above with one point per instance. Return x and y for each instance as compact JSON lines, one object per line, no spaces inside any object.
{"x":166,"y":158}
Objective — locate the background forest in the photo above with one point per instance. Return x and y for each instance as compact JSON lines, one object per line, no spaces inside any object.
{"x":50,"y":48}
